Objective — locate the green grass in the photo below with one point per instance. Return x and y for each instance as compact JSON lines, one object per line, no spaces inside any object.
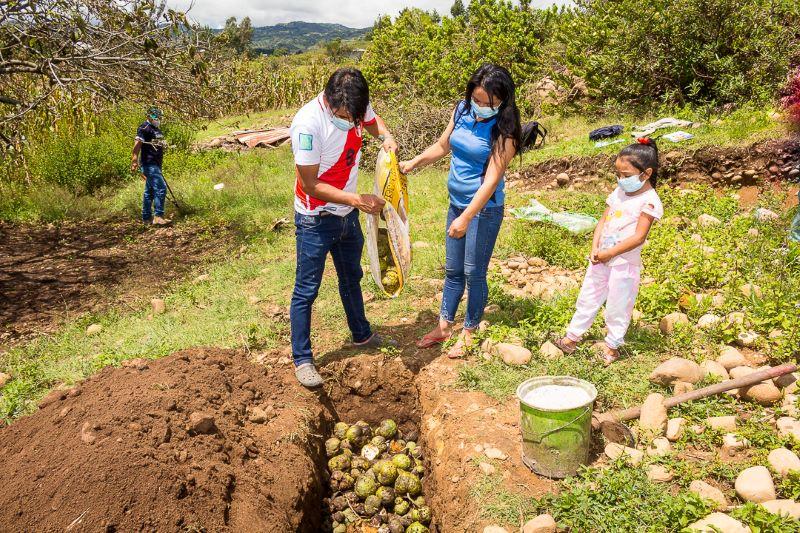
{"x":253,"y":120}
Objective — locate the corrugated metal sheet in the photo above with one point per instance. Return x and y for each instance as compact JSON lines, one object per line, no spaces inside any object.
{"x":268,"y":137}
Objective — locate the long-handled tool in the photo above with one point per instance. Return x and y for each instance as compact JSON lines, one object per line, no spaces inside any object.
{"x":610,"y":424}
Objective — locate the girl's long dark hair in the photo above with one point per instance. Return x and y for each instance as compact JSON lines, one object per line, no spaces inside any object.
{"x":497,"y":82}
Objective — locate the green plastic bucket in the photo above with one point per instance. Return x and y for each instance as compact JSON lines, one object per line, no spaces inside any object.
{"x":555,"y":442}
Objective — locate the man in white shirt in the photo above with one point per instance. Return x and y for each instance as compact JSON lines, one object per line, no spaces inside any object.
{"x":326,"y":141}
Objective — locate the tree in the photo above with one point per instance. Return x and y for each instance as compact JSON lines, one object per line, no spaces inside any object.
{"x":336,"y":50}
{"x":94,"y":50}
{"x":458,"y":9}
{"x":237,"y":37}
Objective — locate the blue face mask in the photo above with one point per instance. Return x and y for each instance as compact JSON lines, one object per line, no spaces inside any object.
{"x":342,"y":124}
{"x":484,"y":112}
{"x":631,"y":184}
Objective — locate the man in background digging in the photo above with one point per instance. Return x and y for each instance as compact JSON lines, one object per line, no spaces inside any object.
{"x":147,"y":156}
{"x":326,"y":142}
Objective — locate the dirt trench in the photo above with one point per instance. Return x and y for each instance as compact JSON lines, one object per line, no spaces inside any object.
{"x":206,"y":440}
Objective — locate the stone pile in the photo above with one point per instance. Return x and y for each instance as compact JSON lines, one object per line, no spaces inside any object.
{"x":535,"y":278}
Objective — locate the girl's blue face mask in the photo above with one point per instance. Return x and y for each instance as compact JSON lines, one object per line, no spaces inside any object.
{"x":484,"y":112}
{"x":631,"y":184}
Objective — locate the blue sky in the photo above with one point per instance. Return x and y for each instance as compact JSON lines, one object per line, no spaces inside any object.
{"x":353,"y":13}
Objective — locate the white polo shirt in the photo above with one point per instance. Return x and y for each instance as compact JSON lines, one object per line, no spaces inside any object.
{"x":315,"y":140}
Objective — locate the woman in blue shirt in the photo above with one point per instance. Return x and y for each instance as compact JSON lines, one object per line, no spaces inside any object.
{"x":483,"y":136}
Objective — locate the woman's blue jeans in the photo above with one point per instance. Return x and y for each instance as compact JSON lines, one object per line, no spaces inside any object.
{"x":467,"y":263}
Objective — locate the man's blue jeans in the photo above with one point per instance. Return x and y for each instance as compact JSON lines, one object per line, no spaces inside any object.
{"x":467,"y":262}
{"x":316,"y":236}
{"x":794,"y":232}
{"x":155,"y":192}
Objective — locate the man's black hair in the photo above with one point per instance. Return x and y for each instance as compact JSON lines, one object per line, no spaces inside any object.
{"x":347,"y":89}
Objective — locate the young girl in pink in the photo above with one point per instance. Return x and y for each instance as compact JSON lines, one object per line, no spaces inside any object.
{"x":615,"y":263}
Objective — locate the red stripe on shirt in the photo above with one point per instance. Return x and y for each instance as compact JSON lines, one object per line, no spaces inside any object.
{"x":339,"y":173}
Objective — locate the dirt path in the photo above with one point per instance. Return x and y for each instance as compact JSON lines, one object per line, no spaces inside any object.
{"x":51,"y":272}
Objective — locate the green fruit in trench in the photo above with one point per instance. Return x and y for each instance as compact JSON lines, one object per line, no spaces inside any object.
{"x":350,"y":516}
{"x":402,"y":461}
{"x":401,"y":506}
{"x":416,"y":527}
{"x":390,"y":280}
{"x":340,"y":462}
{"x":387,"y":429}
{"x":386,"y":494}
{"x":370,"y":452}
{"x":396,"y":525}
{"x":347,"y":482}
{"x":419,"y":501}
{"x":341,"y":528}
{"x":423,"y":515}
{"x":359,"y":462}
{"x":372,"y":505}
{"x":354,"y":435}
{"x":407,"y":483}
{"x":418,"y":470}
{"x":340,"y":429}
{"x":332,"y":446}
{"x":387,"y":473}
{"x":365,"y":486}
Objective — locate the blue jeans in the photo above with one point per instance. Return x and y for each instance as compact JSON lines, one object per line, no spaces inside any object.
{"x":467,"y":262}
{"x":794,"y":232}
{"x":155,"y":191}
{"x":316,"y":236}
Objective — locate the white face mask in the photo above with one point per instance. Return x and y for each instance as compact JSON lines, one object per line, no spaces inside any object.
{"x":342,"y":124}
{"x":155,"y":122}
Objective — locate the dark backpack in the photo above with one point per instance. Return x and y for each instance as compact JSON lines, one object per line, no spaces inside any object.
{"x":605,"y":132}
{"x":531,"y":132}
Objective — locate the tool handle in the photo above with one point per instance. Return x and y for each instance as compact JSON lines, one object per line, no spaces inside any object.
{"x":711,"y":390}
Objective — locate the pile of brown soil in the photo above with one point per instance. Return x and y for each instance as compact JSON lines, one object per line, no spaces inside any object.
{"x":203,"y":440}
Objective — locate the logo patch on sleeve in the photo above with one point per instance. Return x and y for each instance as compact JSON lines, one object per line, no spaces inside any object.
{"x":306,"y":141}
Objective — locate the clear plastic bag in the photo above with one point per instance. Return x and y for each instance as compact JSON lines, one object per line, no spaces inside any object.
{"x":573,"y":222}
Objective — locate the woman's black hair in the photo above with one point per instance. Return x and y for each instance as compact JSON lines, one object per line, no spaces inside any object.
{"x":497,"y":82}
{"x":347,"y":89}
{"x":643,"y":154}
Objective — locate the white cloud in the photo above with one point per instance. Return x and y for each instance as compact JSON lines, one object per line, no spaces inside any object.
{"x":353,"y":13}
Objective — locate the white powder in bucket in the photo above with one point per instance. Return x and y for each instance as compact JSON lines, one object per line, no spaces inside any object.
{"x":554,"y":397}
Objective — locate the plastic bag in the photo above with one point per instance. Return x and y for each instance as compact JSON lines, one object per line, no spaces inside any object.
{"x":573,"y":222}
{"x":388,"y":237}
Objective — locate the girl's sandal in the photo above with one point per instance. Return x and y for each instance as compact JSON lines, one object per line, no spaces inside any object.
{"x":564,"y":347}
{"x":429,"y":341}
{"x":610,"y":356}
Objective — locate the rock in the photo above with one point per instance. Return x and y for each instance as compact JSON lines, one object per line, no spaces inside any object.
{"x":562,"y":179}
{"x":543,"y":523}
{"x":750,"y":289}
{"x":764,"y":215}
{"x":789,"y":405}
{"x":731,"y":444}
{"x":719,"y":522}
{"x":708,"y":220}
{"x":487,"y":468}
{"x":730,"y":357}
{"x":93,"y":329}
{"x":722,"y":423}
{"x":653,"y":418}
{"x":201,"y":278}
{"x":494,"y":453}
{"x":676,"y":369}
{"x":659,"y":447}
{"x":4,"y":378}
{"x":741,"y":371}
{"x":483,"y":325}
{"x":755,"y":485}
{"x":668,"y":323}
{"x":675,"y":428}
{"x":735,"y":318}
{"x":775,"y":334}
{"x":87,"y":435}
{"x":696,"y":237}
{"x":788,"y":426}
{"x":718,"y":300}
{"x":636,"y":316}
{"x":709,"y":492}
{"x":259,"y":415}
{"x":202,"y":423}
{"x":137,"y":363}
{"x":659,"y":474}
{"x":512,"y":354}
{"x":753,"y":232}
{"x":681,"y":387}
{"x":747,"y":338}
{"x":158,"y":305}
{"x":788,"y":508}
{"x":708,"y":321}
{"x":549,"y":350}
{"x":419,"y":245}
{"x":494,"y":529}
{"x":713,"y":368}
{"x":632,"y":456}
{"x":491,"y":309}
{"x":763,"y":393}
{"x":783,"y":461}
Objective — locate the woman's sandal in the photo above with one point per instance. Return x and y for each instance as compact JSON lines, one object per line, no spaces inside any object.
{"x":428,"y":341}
{"x":564,"y":348}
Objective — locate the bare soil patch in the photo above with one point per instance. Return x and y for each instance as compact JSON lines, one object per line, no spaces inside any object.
{"x":48,"y":272}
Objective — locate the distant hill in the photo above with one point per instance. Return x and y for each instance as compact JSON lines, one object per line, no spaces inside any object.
{"x":297,"y":37}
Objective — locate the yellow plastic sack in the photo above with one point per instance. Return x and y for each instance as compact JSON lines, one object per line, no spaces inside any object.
{"x":388,"y":237}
